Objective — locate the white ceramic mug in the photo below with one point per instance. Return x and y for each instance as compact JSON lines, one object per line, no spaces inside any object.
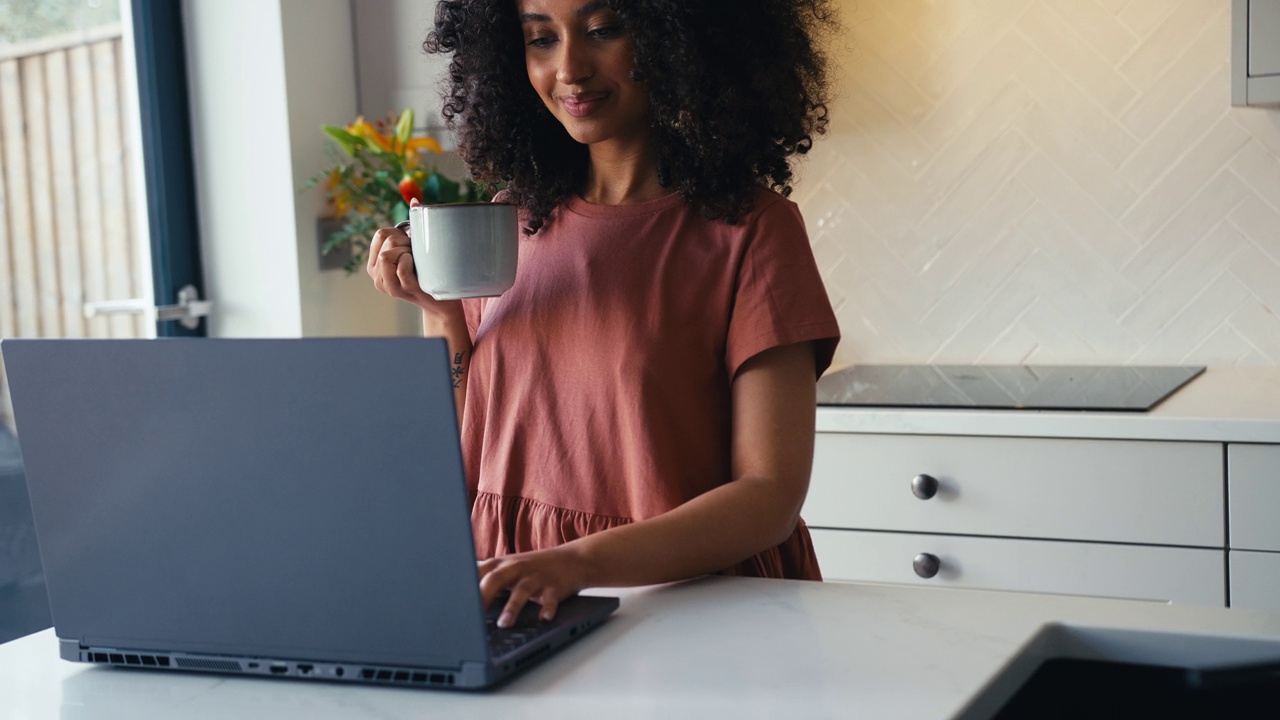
{"x":464,"y":250}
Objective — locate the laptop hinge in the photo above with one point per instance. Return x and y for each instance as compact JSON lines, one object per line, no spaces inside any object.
{"x":69,"y":649}
{"x":474,"y":674}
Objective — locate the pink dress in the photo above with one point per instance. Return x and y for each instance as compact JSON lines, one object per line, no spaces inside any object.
{"x":599,"y":388}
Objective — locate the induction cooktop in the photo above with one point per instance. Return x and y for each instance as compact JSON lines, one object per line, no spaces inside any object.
{"x":1130,"y":388}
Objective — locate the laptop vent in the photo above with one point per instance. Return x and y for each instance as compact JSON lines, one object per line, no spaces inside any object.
{"x":406,"y":677}
{"x":202,"y":664}
{"x":532,"y":656}
{"x":129,"y":659}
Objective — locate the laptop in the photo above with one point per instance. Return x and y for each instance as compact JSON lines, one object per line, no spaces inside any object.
{"x":278,"y":508}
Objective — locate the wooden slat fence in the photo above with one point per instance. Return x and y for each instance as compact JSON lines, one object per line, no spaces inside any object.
{"x":68,"y":229}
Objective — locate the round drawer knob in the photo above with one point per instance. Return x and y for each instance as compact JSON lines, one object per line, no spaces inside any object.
{"x":926,"y":565}
{"x":924,"y":486}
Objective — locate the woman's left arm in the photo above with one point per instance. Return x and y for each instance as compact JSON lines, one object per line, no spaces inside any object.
{"x":774,"y":408}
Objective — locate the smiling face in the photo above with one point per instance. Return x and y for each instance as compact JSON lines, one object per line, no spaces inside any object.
{"x":580,"y":57}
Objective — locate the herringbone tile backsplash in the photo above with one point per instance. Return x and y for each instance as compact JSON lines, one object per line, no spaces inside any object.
{"x":1046,"y":181}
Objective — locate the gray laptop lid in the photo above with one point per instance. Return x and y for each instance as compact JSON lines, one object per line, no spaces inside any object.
{"x":238,"y":538}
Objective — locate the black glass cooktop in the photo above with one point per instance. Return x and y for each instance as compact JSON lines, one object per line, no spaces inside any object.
{"x":1019,"y":387}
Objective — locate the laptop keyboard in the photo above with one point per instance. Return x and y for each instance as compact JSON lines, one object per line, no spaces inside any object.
{"x":526,"y":629}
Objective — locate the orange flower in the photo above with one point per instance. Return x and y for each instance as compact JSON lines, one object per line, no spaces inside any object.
{"x":337,"y":194}
{"x":363,"y":130}
{"x":424,"y":143}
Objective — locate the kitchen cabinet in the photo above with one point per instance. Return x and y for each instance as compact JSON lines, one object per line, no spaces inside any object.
{"x":1065,"y":489}
{"x":1178,"y":504}
{"x":1181,"y":575}
{"x":1255,"y":52}
{"x":1254,"y":507}
{"x":1255,"y":580}
{"x":1254,"y":496}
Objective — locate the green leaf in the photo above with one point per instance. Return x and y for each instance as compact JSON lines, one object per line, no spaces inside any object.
{"x":372,"y":146}
{"x":404,"y":127}
{"x":348,"y":141}
{"x":335,"y":241}
{"x":449,"y":190}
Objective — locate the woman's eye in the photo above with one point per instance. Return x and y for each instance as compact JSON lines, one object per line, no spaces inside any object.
{"x":540,"y":42}
{"x":607,"y":31}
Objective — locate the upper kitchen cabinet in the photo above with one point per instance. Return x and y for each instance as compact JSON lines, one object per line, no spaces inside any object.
{"x":1255,"y":52}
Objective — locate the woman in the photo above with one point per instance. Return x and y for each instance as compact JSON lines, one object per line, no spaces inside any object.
{"x":639,"y":407}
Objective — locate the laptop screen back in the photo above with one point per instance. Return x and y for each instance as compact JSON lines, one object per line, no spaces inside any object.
{"x":284,"y":498}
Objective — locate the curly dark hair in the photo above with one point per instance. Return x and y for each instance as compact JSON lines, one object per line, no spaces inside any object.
{"x":736,"y":89}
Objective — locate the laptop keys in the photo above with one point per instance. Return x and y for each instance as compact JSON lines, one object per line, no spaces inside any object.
{"x":526,"y":628}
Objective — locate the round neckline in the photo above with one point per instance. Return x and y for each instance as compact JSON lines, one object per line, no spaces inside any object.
{"x":580,"y":206}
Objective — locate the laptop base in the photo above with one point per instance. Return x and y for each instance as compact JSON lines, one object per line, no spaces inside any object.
{"x":577,"y":617}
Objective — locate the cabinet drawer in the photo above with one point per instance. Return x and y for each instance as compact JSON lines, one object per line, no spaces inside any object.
{"x":1264,"y":28}
{"x":1161,"y":493}
{"x":1253,"y":486}
{"x":1255,"y":580}
{"x":1180,"y":575}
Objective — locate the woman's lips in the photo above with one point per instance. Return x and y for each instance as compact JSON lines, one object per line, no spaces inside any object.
{"x":583,"y":104}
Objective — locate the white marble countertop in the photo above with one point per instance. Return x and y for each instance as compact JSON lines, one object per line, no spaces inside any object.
{"x":1223,"y":404}
{"x":715,"y":647}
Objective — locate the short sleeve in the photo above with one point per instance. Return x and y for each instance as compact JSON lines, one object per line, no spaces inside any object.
{"x":779,"y":298}
{"x":473,"y":310}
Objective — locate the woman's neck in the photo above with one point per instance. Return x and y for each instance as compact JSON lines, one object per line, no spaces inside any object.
{"x":622,"y":176}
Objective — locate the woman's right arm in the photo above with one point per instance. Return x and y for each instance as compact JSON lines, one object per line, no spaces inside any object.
{"x":391,"y":268}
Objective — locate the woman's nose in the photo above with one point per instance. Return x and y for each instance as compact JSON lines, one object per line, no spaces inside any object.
{"x":575,"y":63}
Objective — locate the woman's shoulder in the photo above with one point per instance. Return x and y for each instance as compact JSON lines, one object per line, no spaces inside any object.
{"x":771,"y":208}
{"x":768,"y":197}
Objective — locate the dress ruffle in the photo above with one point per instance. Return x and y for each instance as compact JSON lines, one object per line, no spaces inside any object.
{"x":507,"y":525}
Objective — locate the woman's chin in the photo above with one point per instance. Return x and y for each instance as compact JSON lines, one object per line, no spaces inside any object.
{"x":594,"y":134}
{"x":586,"y":133}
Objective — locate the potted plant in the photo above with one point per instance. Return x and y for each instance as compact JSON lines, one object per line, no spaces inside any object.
{"x":379,"y":167}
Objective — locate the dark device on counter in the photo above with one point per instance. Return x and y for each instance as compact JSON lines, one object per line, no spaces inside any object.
{"x":1069,"y":687}
{"x":290,"y":508}
{"x":1078,"y":671}
{"x":1128,"y":388}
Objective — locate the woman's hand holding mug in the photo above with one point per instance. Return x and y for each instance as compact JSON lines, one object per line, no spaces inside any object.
{"x":390,"y":266}
{"x":453,"y":251}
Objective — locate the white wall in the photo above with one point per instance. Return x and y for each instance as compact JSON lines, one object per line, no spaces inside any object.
{"x":320,"y":81}
{"x":1005,"y":181}
{"x":394,"y":73}
{"x":265,"y":75}
{"x":1046,"y":181}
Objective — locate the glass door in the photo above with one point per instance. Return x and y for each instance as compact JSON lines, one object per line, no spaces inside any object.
{"x":94,"y":164}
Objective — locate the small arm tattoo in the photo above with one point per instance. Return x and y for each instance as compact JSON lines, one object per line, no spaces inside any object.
{"x":457,"y":371}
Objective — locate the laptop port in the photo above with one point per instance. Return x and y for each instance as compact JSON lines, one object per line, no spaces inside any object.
{"x":305,"y":669}
{"x":279,"y":669}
